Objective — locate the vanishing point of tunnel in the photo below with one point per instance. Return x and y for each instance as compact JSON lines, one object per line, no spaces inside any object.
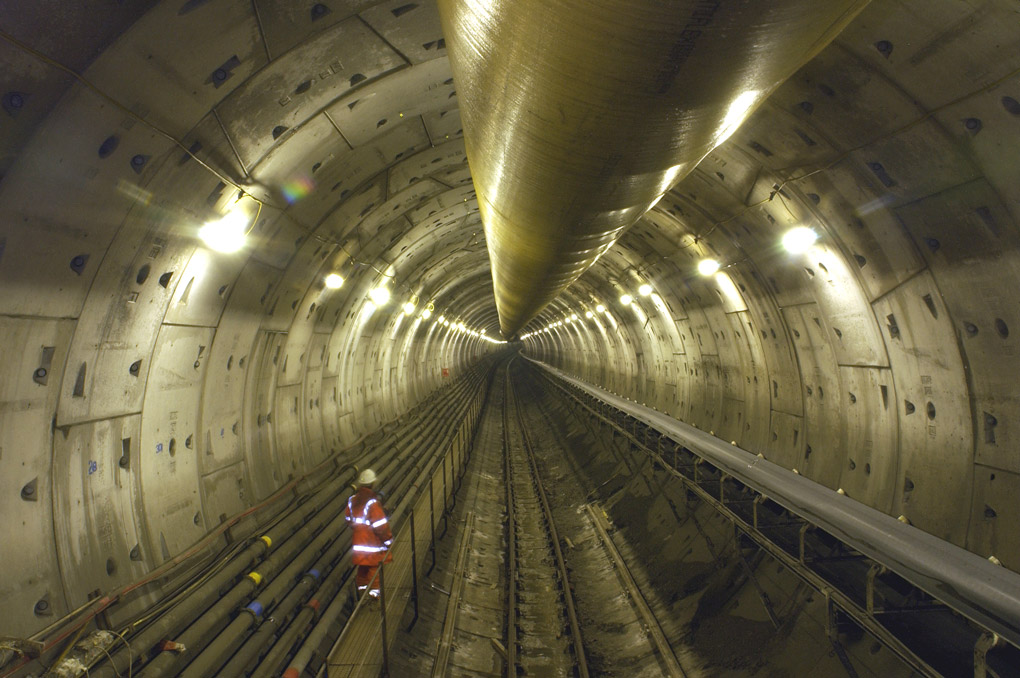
{"x":680,"y":337}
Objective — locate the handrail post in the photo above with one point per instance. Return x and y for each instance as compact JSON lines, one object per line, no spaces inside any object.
{"x":382,"y":608}
{"x":414,"y":571}
{"x":432,"y":521}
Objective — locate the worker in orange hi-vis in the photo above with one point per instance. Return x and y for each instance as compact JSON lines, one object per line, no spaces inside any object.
{"x":371,"y":540}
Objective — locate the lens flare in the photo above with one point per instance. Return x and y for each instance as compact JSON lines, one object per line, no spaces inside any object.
{"x":297,"y":189}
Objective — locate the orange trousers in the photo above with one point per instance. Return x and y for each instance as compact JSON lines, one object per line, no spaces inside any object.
{"x":364,"y":577}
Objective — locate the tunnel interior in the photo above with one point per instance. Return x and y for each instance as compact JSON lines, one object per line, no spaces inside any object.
{"x":154,"y":388}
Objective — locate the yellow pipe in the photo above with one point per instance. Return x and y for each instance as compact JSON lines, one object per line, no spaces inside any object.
{"x":579,"y":114}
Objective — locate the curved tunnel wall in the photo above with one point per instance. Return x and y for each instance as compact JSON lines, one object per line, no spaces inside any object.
{"x":153,"y":386}
{"x":121,"y":335}
{"x":882,"y":360}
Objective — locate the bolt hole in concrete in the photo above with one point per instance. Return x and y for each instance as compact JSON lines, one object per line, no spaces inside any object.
{"x":1001,"y":327}
{"x":931,"y":410}
{"x":111,"y":566}
{"x":990,"y":423}
{"x":108,"y":146}
{"x":173,"y":447}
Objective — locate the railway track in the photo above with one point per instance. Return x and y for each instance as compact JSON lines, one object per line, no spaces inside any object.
{"x":560,"y":570}
{"x":542,"y":581}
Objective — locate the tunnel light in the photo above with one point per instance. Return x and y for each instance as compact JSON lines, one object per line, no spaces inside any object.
{"x":573,"y":317}
{"x":334,"y":282}
{"x":442,"y":319}
{"x":626,"y":300}
{"x":408,"y":308}
{"x":379,"y":296}
{"x":645,"y":290}
{"x":227,"y":233}
{"x":446,"y":323}
{"x":799,"y":240}
{"x":600,"y":308}
{"x":708,"y":266}
{"x":589,"y":315}
{"x":426,"y":313}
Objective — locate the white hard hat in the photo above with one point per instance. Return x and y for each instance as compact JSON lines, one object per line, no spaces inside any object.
{"x":367,"y":477}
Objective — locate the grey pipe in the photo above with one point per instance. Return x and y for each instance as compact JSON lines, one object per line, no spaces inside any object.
{"x":203,"y":628}
{"x":227,"y":642}
{"x":170,"y":623}
{"x":321,"y":570}
{"x":230,"y":639}
{"x":329,"y":589}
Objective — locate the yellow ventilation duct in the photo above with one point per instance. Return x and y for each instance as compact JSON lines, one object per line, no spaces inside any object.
{"x":579,"y":114}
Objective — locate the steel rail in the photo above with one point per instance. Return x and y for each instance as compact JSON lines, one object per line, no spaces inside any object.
{"x":442,"y":658}
{"x":511,"y":541}
{"x":554,"y":540}
{"x":652,"y":625}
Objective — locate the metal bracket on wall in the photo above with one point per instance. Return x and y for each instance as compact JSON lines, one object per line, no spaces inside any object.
{"x":879,"y":596}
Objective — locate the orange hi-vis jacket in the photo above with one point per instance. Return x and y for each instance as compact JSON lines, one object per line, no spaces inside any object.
{"x":371,"y":540}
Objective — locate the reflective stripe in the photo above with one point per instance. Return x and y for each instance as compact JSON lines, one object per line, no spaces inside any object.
{"x":368,"y":505}
{"x":387,"y":542}
{"x":380,"y":522}
{"x":368,"y":549}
